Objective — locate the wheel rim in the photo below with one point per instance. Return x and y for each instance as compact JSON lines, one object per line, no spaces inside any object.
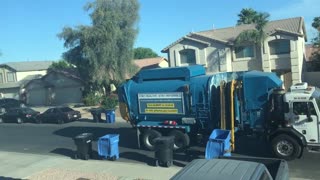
{"x":285,"y":148}
{"x":149,"y":140}
{"x":19,"y":120}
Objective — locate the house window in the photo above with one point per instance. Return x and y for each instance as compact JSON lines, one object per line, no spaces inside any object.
{"x":1,"y":78}
{"x":188,"y":56}
{"x":244,"y":51}
{"x":279,"y":46}
{"x":10,"y":76}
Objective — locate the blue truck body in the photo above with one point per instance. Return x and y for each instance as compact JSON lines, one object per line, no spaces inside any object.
{"x":191,"y":98}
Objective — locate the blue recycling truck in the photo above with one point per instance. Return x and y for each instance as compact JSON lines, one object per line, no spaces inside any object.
{"x":188,"y":104}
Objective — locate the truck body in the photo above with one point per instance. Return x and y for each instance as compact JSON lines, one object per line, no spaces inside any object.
{"x":188,"y":104}
{"x":233,"y":168}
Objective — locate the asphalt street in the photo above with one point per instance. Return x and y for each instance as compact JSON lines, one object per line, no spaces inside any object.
{"x":57,"y":140}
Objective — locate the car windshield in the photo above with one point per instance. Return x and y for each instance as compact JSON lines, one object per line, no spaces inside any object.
{"x":66,"y":109}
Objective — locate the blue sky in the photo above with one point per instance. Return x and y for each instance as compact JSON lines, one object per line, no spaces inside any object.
{"x":29,"y":28}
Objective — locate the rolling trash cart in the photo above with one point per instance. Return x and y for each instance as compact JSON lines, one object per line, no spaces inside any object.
{"x":110,"y":116}
{"x":108,"y":146}
{"x":164,"y":150}
{"x":84,"y":146}
{"x":218,"y":144}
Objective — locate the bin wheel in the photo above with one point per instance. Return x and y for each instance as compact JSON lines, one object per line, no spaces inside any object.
{"x":113,"y":158}
{"x":168,"y":163}
{"x":19,"y":121}
{"x":148,"y":138}
{"x":181,"y":140}
{"x":86,"y":157}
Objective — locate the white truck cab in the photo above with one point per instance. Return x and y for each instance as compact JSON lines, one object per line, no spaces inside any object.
{"x":302,"y":112}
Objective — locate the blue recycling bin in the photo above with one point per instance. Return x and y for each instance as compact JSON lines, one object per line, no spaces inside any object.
{"x":110,"y":116}
{"x":218,"y":144}
{"x":108,"y":146}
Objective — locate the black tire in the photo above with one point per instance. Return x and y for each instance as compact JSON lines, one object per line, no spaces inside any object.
{"x":285,"y":147}
{"x":60,"y":121}
{"x":181,"y":140}
{"x":38,"y":121}
{"x":148,"y":138}
{"x":19,"y":120}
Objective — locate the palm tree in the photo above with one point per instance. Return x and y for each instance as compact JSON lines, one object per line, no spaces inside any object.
{"x":247,"y":16}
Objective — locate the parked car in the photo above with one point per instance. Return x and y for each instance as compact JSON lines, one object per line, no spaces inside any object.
{"x":59,"y":115}
{"x":19,"y":115}
{"x":7,"y":103}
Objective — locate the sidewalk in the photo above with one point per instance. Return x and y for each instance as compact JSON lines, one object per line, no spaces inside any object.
{"x":43,"y":167}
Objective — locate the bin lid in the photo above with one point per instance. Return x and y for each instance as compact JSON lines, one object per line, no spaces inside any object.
{"x":219,"y":169}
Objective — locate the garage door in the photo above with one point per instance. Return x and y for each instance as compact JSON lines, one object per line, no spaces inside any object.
{"x":67,"y":95}
{"x":36,"y":97}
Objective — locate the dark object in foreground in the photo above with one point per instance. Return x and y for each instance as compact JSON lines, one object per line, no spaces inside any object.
{"x":235,"y":168}
{"x":84,"y":146}
{"x":164,"y":150}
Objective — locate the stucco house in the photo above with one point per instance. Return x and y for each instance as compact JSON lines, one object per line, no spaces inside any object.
{"x":282,"y":51}
{"x":13,"y":75}
{"x":54,"y":88}
{"x":148,"y":63}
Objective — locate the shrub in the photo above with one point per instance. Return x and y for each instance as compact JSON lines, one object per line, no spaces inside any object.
{"x":91,"y":99}
{"x":109,"y":102}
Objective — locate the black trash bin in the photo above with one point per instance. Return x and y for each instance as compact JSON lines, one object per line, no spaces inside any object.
{"x":96,"y":114}
{"x":164,"y":150}
{"x":84,"y":145}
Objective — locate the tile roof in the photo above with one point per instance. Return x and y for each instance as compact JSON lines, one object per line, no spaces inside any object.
{"x":141,"y":63}
{"x":28,"y":65}
{"x":228,"y":35}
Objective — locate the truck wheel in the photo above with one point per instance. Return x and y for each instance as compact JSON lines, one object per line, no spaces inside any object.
{"x":148,"y":138}
{"x":286,"y":147}
{"x":181,"y":140}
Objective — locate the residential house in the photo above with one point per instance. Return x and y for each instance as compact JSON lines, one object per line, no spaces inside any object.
{"x":13,"y":75}
{"x":55,"y":88}
{"x":148,"y":63}
{"x":282,"y":51}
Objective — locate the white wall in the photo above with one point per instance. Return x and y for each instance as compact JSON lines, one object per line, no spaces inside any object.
{"x":22,"y":75}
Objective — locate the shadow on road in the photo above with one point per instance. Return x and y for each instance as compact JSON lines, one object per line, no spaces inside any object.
{"x":126,"y":135}
{"x":245,"y":146}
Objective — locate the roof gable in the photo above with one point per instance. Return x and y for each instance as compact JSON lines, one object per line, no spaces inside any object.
{"x":28,"y":65}
{"x":294,"y":26}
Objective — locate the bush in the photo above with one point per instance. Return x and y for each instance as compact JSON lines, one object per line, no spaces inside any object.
{"x":91,"y":99}
{"x":109,"y":102}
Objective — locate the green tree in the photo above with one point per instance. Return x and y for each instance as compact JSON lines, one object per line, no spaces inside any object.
{"x":103,"y":51}
{"x":247,"y":16}
{"x":316,"y":41}
{"x":60,"y":65}
{"x":141,"y":53}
